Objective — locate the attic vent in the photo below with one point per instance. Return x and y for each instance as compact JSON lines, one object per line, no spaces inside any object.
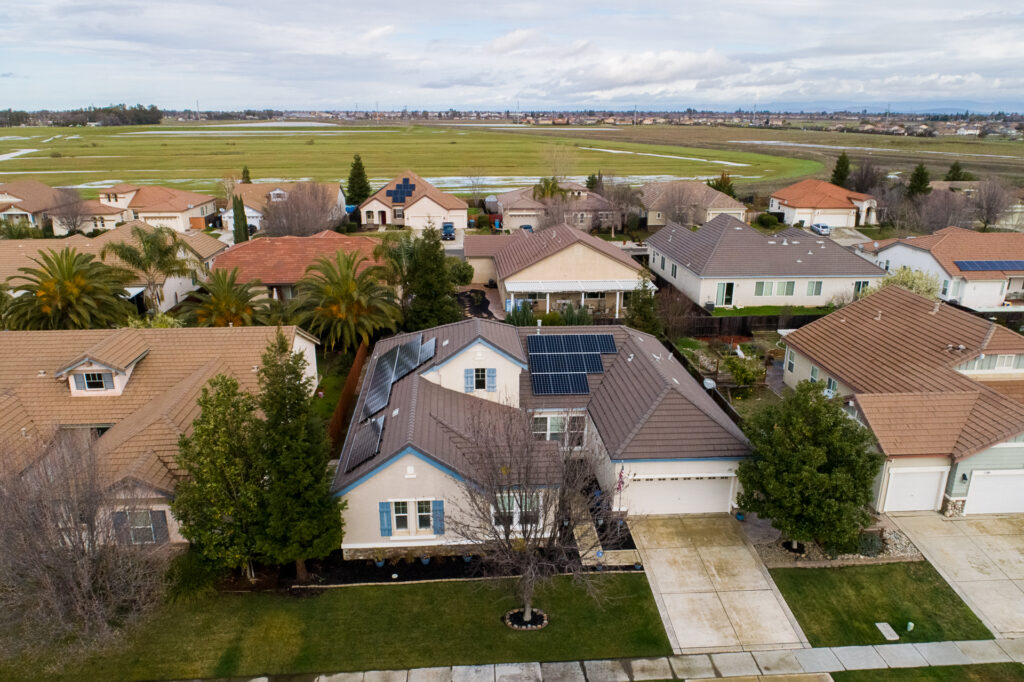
{"x":24,"y":432}
{"x":772,"y":242}
{"x":255,"y":368}
{"x":799,"y":261}
{"x":785,"y":242}
{"x":935,"y":308}
{"x":656,"y":356}
{"x":876,"y":245}
{"x":810,"y":253}
{"x":819,"y":242}
{"x":394,"y":412}
{"x":444,"y":343}
{"x":737,"y":228}
{"x":795,"y":241}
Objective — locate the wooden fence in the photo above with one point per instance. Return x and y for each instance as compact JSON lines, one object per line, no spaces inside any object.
{"x":743,"y":325}
{"x":336,"y":427}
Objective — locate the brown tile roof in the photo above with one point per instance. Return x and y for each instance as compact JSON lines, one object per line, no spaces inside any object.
{"x":657,"y":196}
{"x":522,"y":199}
{"x":203,"y":245}
{"x":34,"y":196}
{"x":727,"y":247}
{"x":518,"y":251}
{"x":118,"y":351}
{"x":96,"y":207}
{"x":284,"y":260}
{"x":812,"y":193}
{"x":951,"y":244}
{"x":155,"y":198}
{"x":423,"y":189}
{"x":896,"y":347}
{"x":157,"y":405}
{"x":256,"y":195}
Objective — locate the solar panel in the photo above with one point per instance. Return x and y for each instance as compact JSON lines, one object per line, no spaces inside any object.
{"x":380,"y":383}
{"x":408,"y":357}
{"x":427,"y":350}
{"x":571,"y":343}
{"x":562,"y":383}
{"x":589,"y":363}
{"x":983,"y":265}
{"x":365,"y":443}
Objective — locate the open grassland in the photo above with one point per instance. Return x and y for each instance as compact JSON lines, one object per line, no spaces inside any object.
{"x":197,"y":156}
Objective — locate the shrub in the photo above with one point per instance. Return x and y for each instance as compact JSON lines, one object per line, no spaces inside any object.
{"x":576,"y":317}
{"x":871,"y":544}
{"x":190,"y":577}
{"x":483,"y":221}
{"x":552,"y":319}
{"x":745,"y":371}
{"x":521,"y":316}
{"x":55,"y":155}
{"x":767,"y":220}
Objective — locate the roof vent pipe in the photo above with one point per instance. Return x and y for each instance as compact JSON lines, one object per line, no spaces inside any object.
{"x":878,"y":317}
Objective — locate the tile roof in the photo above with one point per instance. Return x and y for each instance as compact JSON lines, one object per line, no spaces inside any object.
{"x":118,"y":351}
{"x":660,"y":195}
{"x":284,"y":260}
{"x":727,"y":247}
{"x":951,"y":244}
{"x":155,"y":198}
{"x":522,"y":199}
{"x":423,"y":189}
{"x":256,"y":195}
{"x":898,"y":352}
{"x":93,"y":207}
{"x":812,"y":193}
{"x":157,"y":404}
{"x":644,"y":406}
{"x":203,"y":245}
{"x":34,"y":196}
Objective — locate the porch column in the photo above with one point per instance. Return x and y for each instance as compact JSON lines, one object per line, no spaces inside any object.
{"x":512,"y":304}
{"x":547,"y":302}
{"x":583,"y":298}
{"x":618,"y":294}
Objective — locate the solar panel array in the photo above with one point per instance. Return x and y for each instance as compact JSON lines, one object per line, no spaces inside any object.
{"x":982,"y":265}
{"x":392,"y":366}
{"x":559,"y":363}
{"x":365,"y":443}
{"x":401,"y":192}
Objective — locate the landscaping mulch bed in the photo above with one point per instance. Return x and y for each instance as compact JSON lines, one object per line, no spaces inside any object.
{"x":474,"y":302}
{"x":896,"y":547}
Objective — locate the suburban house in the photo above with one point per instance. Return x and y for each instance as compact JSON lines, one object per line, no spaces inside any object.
{"x":983,"y":271}
{"x":256,"y":196}
{"x":816,"y":201}
{"x":687,"y":202}
{"x":555,"y":267}
{"x":136,"y":391}
{"x":411,"y":201}
{"x":29,"y":200}
{"x":582,"y":208}
{"x":18,"y":253}
{"x":279,"y":262}
{"x":727,"y":263}
{"x":177,"y":209}
{"x":403,"y":462}
{"x":938,"y":387}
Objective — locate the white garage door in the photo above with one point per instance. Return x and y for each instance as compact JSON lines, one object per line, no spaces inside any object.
{"x":996,"y":492}
{"x":681,"y":495}
{"x":915,"y":489}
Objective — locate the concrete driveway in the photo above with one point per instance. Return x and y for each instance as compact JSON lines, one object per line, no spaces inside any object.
{"x":712,"y":590}
{"x":981,"y":557}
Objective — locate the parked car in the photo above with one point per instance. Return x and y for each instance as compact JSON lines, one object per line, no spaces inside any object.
{"x":448,"y":231}
{"x":821,"y":228}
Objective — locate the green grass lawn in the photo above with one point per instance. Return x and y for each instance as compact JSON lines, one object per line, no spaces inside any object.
{"x":840,"y":606}
{"x":991,"y":672}
{"x":755,"y":399}
{"x":333,"y":371}
{"x":363,"y":628}
{"x":769,"y":310}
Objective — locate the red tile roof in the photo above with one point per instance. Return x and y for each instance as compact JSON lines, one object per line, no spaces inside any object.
{"x":812,"y":193}
{"x":423,"y":189}
{"x":951,"y":244}
{"x":284,"y":260}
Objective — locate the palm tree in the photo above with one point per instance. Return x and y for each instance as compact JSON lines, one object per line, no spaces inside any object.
{"x":548,"y":188}
{"x":153,"y":255}
{"x":346,"y":307}
{"x":68,"y":290}
{"x":396,"y":255}
{"x":225,"y":302}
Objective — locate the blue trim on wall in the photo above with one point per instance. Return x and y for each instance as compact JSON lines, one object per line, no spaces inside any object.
{"x":478,"y":339}
{"x":385,"y":464}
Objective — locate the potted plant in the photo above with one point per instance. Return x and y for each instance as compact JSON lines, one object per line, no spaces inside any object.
{"x":378,"y":557}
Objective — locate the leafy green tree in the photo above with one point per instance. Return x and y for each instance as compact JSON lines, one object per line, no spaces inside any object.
{"x":919,"y":184}
{"x":642,"y":311}
{"x":358,"y":188}
{"x":813,"y":468}
{"x":5,"y":303}
{"x":461,"y":272}
{"x":395,"y":253}
{"x":68,"y":290}
{"x":577,"y":317}
{"x":153,"y":254}
{"x":723,"y":183}
{"x":432,"y":300}
{"x":344,"y":306}
{"x":219,"y":500}
{"x":841,"y":171}
{"x":303,"y":519}
{"x":246,"y":180}
{"x":921,"y":283}
{"x":521,"y":315}
{"x":240,"y":228}
{"x":744,"y":371}
{"x":223,"y":301}
{"x":548,"y":188}
{"x":158,"y":321}
{"x":957,"y":174}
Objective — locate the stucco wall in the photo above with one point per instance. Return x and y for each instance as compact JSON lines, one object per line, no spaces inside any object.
{"x":451,"y":373}
{"x":425,"y":211}
{"x":308,"y":349}
{"x":802,"y":372}
{"x":577,"y":262}
{"x":483,"y":270}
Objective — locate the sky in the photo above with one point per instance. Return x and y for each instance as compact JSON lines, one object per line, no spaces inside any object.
{"x":552,"y":54}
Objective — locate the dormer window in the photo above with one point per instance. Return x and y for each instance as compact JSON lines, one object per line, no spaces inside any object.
{"x":94,"y":381}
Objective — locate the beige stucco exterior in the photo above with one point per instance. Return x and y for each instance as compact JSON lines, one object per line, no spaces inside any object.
{"x":451,"y":374}
{"x":483,"y":270}
{"x":802,"y":372}
{"x":657,"y":219}
{"x":415,"y":216}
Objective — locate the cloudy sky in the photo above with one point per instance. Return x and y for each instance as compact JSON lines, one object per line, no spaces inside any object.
{"x":435,"y":54}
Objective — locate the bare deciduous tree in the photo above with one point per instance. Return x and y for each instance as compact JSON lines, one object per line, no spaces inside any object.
{"x":528,"y":503}
{"x":71,"y":214}
{"x":66,"y":575}
{"x":475,"y":183}
{"x":309,"y":208}
{"x":683,"y":203}
{"x":622,"y":197}
{"x":675,"y":311}
{"x":226,"y":186}
{"x":941,"y":209}
{"x":865,"y":177}
{"x":991,"y":199}
{"x":561,"y":159}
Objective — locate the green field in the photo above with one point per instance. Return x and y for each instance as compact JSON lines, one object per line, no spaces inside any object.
{"x":197,"y":156}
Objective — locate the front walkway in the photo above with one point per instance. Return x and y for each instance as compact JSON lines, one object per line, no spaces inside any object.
{"x":712,"y":591}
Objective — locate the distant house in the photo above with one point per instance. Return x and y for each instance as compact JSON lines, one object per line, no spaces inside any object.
{"x":815,"y":201}
{"x":979,"y":270}
{"x":583,"y":209}
{"x":18,"y":253}
{"x":177,"y":209}
{"x":940,"y":389}
{"x":411,"y":201}
{"x":730,"y":264}
{"x":279,"y":262}
{"x":555,"y":267}
{"x":29,"y":200}
{"x":136,"y":391}
{"x":665,"y":201}
{"x":256,"y":196}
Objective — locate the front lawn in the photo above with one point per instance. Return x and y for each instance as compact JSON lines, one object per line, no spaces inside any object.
{"x":373,"y":627}
{"x":840,"y":606}
{"x":991,"y":672}
{"x":770,"y":310}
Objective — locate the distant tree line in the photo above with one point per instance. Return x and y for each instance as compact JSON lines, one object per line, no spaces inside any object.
{"x":114,"y":115}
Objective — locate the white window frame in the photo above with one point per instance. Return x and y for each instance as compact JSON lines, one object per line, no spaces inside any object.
{"x":399,"y":212}
{"x":511,"y":506}
{"x":673,"y":269}
{"x":96,"y":376}
{"x":860,"y":286}
{"x":420,"y":515}
{"x":135,"y":527}
{"x":831,"y":385}
{"x":814,"y":287}
{"x":1005,"y":361}
{"x":790,"y":360}
{"x":787,"y":288}
{"x":395,"y":514}
{"x":945,"y":288}
{"x":814,"y":373}
{"x":766,"y":288}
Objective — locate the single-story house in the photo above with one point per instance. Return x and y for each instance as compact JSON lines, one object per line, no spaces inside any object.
{"x":727,"y":263}
{"x":983,"y":271}
{"x":582,"y":208}
{"x":938,"y":387}
{"x":135,"y":390}
{"x":816,"y":201}
{"x":177,"y":209}
{"x":411,"y":201}
{"x":555,"y":267}
{"x":687,"y":202}
{"x":402,"y":465}
{"x":279,"y":262}
{"x":30,"y":200}
{"x":256,"y":196}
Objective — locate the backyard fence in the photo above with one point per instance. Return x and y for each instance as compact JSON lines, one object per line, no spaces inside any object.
{"x":742,"y":325}
{"x":336,"y":427}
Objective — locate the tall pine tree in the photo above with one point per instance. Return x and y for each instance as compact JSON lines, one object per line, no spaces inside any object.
{"x":358,"y":188}
{"x":431,"y":290}
{"x":956,"y":173}
{"x":723,"y":184}
{"x":241,"y":225}
{"x":841,"y":172}
{"x":642,"y":312}
{"x":246,"y":180}
{"x":919,"y":184}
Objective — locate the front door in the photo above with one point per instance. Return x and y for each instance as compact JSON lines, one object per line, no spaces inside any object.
{"x":724,"y":296}
{"x":383,"y":217}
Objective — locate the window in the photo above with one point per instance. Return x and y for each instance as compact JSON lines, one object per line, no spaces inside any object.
{"x":369,"y":216}
{"x":140,"y":526}
{"x":814,"y":288}
{"x":831,"y":385}
{"x":814,"y":373}
{"x":401,"y":516}
{"x":724,"y":293}
{"x":662,"y":262}
{"x":480,"y":378}
{"x":576,"y":432}
{"x":763,"y":288}
{"x":887,"y":266}
{"x":1005,"y":362}
{"x":517,"y":508}
{"x":790,"y":360}
{"x":504,"y":514}
{"x":97,"y":381}
{"x":945,"y":287}
{"x":673,"y":269}
{"x":786,"y":288}
{"x":399,"y":213}
{"x":595,"y":295}
{"x":135,"y":215}
{"x":858,"y":287}
{"x":548,"y":427}
{"x":423,"y":515}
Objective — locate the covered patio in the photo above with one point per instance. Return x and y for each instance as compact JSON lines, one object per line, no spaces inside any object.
{"x":606,"y":298}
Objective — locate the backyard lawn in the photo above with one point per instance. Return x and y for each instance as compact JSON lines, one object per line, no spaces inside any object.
{"x":372,"y":627}
{"x":333,"y":371}
{"x":770,"y":310}
{"x":840,"y":606}
{"x":992,"y":672}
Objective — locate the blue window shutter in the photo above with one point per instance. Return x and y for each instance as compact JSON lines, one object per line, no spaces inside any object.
{"x":468,"y":374}
{"x":492,"y":379}
{"x":437,"y":507}
{"x":108,"y":380}
{"x":385,"y":519}
{"x":80,"y":382}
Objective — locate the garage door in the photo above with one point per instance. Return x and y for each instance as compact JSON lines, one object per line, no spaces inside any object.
{"x":915,"y":489}
{"x":996,"y":492}
{"x":681,"y":495}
